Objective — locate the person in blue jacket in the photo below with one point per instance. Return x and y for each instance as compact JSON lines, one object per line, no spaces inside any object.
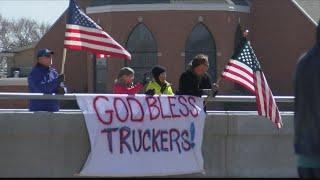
{"x":44,"y":79}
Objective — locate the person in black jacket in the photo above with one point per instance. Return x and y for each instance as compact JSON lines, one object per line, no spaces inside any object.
{"x":195,"y":79}
{"x":307,"y":112}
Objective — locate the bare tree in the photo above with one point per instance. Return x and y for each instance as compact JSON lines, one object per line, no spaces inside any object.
{"x":18,"y":33}
{"x":5,"y":43}
{"x":5,"y":30}
{"x":21,"y":32}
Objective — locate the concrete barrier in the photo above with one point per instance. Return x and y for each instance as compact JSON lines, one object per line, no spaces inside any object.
{"x":236,"y":144}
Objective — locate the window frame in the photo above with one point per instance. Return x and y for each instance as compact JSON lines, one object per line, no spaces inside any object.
{"x":212,"y":54}
{"x":153,"y":52}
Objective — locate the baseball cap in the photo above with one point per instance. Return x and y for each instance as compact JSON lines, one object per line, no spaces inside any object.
{"x":44,"y":52}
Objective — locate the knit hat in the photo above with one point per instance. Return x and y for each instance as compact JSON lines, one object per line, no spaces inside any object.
{"x":157,"y":70}
{"x":125,"y":71}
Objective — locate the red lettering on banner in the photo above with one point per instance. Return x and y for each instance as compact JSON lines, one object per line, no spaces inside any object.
{"x":116,"y":99}
{"x":152,"y":104}
{"x":174,"y":139}
{"x":161,"y":110}
{"x":131,"y":108}
{"x":186,"y":145}
{"x":164,"y":140}
{"x":131,"y":99}
{"x":154,"y":140}
{"x":147,"y":132}
{"x":155,"y":136}
{"x":172,"y":105}
{"x":107,"y":122}
{"x":186,"y":113}
{"x":137,"y":149}
{"x":124,"y":135}
{"x":109,"y":132}
{"x":191,"y":101}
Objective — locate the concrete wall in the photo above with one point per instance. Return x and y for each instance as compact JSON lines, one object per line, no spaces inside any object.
{"x":12,"y":85}
{"x":236,"y":144}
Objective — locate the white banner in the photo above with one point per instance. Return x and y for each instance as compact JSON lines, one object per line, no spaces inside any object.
{"x":143,"y":135}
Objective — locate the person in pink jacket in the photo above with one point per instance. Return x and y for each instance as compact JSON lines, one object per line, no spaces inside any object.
{"x":124,"y":82}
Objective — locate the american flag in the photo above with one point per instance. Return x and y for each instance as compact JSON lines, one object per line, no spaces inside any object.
{"x":82,"y":33}
{"x":244,"y":69}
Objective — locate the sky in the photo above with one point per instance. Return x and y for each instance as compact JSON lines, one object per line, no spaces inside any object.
{"x":43,"y":11}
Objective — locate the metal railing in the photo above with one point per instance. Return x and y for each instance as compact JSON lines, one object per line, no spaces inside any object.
{"x":218,"y":98}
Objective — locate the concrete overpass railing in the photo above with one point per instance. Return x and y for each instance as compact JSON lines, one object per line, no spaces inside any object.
{"x":56,"y":144}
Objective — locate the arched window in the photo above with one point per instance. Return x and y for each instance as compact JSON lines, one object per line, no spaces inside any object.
{"x":100,"y":74}
{"x":143,"y":48}
{"x":201,"y":41}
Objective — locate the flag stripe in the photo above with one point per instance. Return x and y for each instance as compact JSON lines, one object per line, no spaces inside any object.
{"x":244,"y":69}
{"x":93,"y":46}
{"x":89,"y":37}
{"x":264,"y":97}
{"x":259,"y":97}
{"x":262,"y":94}
{"x":240,"y":73}
{"x":241,"y":66}
{"x":69,"y":35}
{"x":239,"y":80}
{"x":95,"y":51}
{"x":82,"y":28}
{"x":78,"y":31}
{"x":92,"y":42}
{"x":273,"y":113}
{"x":266,"y":88}
{"x":270,"y":106}
{"x":279,"y":123}
{"x":82,"y":33}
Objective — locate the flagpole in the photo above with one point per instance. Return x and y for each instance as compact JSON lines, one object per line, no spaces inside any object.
{"x":63,"y":60}
{"x":245,"y":34}
{"x":217,"y":83}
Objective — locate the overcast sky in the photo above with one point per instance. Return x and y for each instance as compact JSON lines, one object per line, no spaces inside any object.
{"x":47,"y":11}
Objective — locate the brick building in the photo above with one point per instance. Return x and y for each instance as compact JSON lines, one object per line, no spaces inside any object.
{"x":171,"y":32}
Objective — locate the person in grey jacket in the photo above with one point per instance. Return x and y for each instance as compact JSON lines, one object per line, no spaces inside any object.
{"x":307,"y":112}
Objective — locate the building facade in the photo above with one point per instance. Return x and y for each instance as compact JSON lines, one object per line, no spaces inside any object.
{"x":171,"y":32}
